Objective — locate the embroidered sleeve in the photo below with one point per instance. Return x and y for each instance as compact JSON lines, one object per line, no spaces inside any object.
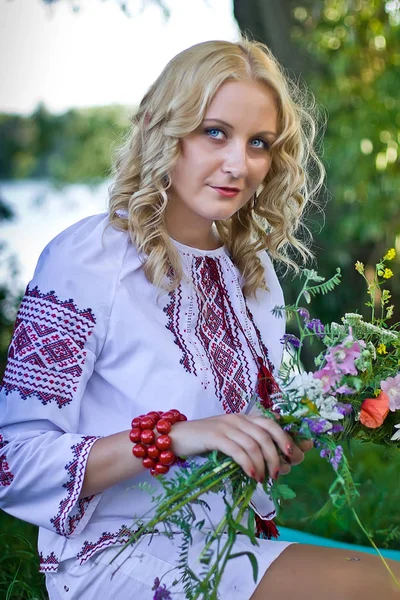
{"x":59,"y":332}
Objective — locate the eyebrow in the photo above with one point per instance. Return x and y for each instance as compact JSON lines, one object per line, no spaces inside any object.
{"x":231,"y":127}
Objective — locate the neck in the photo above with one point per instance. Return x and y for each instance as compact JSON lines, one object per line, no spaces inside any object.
{"x":201,"y":235}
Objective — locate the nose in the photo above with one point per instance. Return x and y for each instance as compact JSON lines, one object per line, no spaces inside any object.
{"x":235,"y":163}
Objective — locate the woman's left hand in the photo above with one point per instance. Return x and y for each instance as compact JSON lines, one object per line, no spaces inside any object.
{"x":285,"y":466}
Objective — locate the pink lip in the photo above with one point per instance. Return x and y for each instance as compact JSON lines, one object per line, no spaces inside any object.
{"x":228,"y":192}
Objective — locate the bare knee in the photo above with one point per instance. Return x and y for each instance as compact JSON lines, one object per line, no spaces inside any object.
{"x":313,"y":572}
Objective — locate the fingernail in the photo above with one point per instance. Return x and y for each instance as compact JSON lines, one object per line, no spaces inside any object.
{"x":253,"y":473}
{"x":276,"y":474}
{"x":289,"y":449}
{"x":260,"y":479}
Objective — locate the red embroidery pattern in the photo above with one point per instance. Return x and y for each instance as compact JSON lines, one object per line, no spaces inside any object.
{"x":266,"y":380}
{"x":47,"y":354}
{"x":173,"y":311}
{"x":48,"y":563}
{"x":63,"y":522}
{"x":222,"y":338}
{"x":106,"y":539}
{"x":6,"y":476}
{"x":217,"y":332}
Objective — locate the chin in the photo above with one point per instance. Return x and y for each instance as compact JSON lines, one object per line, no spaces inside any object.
{"x":221,"y":213}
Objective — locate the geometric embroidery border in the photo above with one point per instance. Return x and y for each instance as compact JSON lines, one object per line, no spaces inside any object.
{"x":6,"y":477}
{"x":63,"y":522}
{"x":47,"y":351}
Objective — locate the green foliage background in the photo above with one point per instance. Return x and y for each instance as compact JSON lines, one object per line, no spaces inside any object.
{"x":352,"y":66}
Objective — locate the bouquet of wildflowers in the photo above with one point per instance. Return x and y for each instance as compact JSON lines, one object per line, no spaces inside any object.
{"x":354,"y":393}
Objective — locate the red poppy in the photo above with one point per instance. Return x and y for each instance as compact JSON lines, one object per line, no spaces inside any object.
{"x":374,"y":411}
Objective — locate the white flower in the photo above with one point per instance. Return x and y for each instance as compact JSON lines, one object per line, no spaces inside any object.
{"x":304,"y":385}
{"x":327,"y":408}
{"x":396,"y":436}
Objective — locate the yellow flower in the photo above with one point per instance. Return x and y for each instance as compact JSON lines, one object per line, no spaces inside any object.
{"x":390,"y":254}
{"x":377,"y":392}
{"x":387,"y":274}
{"x":386,"y":295}
{"x":359,"y":266}
{"x":381,"y":349}
{"x":389,"y":311}
{"x":310,"y":405}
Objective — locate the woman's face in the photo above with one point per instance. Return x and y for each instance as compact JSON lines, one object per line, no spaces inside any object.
{"x":224,"y":161}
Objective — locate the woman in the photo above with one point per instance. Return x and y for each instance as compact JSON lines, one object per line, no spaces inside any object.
{"x":165,"y":303}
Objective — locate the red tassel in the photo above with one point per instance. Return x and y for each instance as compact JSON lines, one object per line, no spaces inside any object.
{"x":266,"y":529}
{"x":266,"y":385}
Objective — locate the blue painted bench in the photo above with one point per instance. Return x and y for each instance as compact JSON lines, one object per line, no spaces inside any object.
{"x":292,"y":535}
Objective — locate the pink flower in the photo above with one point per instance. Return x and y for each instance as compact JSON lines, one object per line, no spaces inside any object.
{"x":374,"y":411}
{"x":341,"y":358}
{"x":391,"y":387}
{"x":329,"y":378}
{"x":345,"y":389}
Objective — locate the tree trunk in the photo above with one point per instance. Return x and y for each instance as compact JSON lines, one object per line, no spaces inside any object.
{"x":270,"y":22}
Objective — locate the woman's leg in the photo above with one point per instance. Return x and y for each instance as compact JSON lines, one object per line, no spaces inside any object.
{"x":305,"y":572}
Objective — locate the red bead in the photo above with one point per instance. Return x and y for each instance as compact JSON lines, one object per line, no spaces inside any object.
{"x":147,"y":436}
{"x":175,"y":412}
{"x":135,"y":423}
{"x":134,"y":434}
{"x":183,"y":418}
{"x":166,"y":457}
{"x":170,"y":416}
{"x":161,"y":469}
{"x":163,"y":442}
{"x":149,"y":463}
{"x":154,"y":415}
{"x":153,"y":472}
{"x":153,"y":451}
{"x":147,"y":423}
{"x":139,"y":451}
{"x":163,"y":426}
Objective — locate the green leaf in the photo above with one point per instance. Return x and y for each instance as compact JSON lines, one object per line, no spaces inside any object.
{"x":251,"y":524}
{"x":252,"y":560}
{"x":284,"y":491}
{"x":325,"y":287}
{"x":247,"y":532}
{"x":312,"y":275}
{"x":200,"y":524}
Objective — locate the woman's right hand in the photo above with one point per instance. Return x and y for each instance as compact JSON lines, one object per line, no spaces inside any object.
{"x":251,"y":441}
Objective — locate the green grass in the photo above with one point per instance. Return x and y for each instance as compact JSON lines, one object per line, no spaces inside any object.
{"x":19,"y":561}
{"x":378,"y":479}
{"x":379,"y":486}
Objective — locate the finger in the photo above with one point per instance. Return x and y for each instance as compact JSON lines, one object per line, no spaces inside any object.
{"x":305,"y":445}
{"x":282,"y":439}
{"x":284,"y":467}
{"x":263,"y":441}
{"x":251,"y":446}
{"x":230,"y":448}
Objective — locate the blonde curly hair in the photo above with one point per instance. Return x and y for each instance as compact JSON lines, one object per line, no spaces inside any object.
{"x":174,"y":107}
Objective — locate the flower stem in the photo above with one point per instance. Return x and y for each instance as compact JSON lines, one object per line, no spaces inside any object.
{"x":371,"y":541}
{"x":227,"y":469}
{"x":243,"y":500}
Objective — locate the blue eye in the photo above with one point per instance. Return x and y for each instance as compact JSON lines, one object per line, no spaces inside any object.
{"x":262,"y":144}
{"x":215,"y":133}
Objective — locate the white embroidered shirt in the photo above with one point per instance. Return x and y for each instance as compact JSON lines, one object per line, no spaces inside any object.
{"x":96,"y":344}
